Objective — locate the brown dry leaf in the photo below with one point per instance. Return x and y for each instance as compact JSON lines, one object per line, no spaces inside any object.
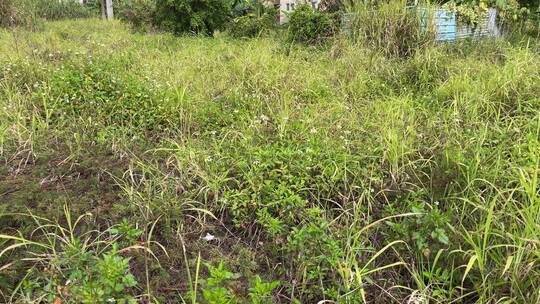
{"x":5,"y":266}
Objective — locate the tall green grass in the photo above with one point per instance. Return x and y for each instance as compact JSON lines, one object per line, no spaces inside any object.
{"x":391,"y":27}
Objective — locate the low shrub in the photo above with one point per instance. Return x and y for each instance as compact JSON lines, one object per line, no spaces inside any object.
{"x":192,"y":16}
{"x":138,"y":13}
{"x":312,"y":27}
{"x":252,"y":26}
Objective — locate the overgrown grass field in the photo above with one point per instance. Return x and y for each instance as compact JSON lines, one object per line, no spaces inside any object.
{"x":162,"y":169}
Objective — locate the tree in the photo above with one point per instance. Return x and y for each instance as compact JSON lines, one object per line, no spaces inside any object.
{"x":102,"y":7}
{"x":192,"y":16}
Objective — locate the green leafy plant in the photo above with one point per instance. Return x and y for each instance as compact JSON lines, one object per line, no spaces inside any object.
{"x":318,"y":254}
{"x":427,"y":229}
{"x":139,"y":14}
{"x":216,"y":289}
{"x":192,"y":16}
{"x":251,"y":25}
{"x":261,"y":292}
{"x":255,"y":8}
{"x":474,"y":12}
{"x":309,"y":26}
{"x":89,"y":268}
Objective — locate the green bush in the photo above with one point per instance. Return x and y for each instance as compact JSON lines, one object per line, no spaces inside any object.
{"x":192,"y":16}
{"x":252,"y":26}
{"x":309,"y":26}
{"x":138,"y":13}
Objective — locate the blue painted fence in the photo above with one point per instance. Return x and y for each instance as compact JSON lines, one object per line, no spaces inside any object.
{"x":447,"y":26}
{"x":444,"y":23}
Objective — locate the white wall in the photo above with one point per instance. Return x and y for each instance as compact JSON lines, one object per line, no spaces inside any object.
{"x":287,"y":6}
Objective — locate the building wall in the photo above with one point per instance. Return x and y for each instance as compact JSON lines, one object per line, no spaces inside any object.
{"x":287,"y":6}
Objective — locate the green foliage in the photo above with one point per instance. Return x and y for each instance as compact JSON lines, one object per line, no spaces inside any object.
{"x":28,"y":12}
{"x":299,"y":160}
{"x":92,"y":90}
{"x":13,"y":13}
{"x":388,"y":28}
{"x":274,"y":182}
{"x":472,"y":12}
{"x":138,"y":13}
{"x":126,"y":229}
{"x":81,"y":276}
{"x":192,"y":16}
{"x":216,"y":289}
{"x":249,"y":26}
{"x":332,"y":6}
{"x":6,"y":13}
{"x":65,"y":9}
{"x":427,"y":228}
{"x":261,"y":292}
{"x":312,"y":27}
{"x":256,"y":8}
{"x":317,"y":254}
{"x":76,"y":269}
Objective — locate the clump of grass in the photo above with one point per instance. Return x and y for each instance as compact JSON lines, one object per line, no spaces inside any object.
{"x":389,"y":27}
{"x":29,"y":12}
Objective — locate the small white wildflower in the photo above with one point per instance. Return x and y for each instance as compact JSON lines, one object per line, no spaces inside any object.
{"x":208,"y":237}
{"x":313,"y":131}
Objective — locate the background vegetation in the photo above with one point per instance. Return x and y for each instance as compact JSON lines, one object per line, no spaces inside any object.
{"x":29,"y":12}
